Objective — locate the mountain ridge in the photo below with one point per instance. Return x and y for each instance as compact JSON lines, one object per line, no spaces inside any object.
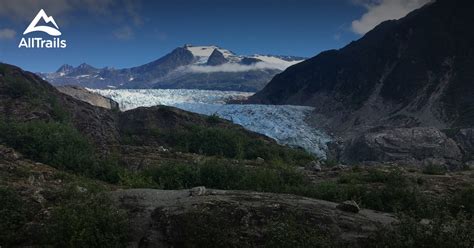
{"x":188,"y":67}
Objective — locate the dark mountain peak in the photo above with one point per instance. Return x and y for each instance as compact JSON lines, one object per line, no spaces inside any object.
{"x":416,"y":71}
{"x":85,"y":66}
{"x":65,"y":69}
{"x":216,"y":58}
{"x":160,"y":67}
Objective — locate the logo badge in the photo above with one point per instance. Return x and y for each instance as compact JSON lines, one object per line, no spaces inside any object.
{"x":47,"y":19}
{"x":38,"y":42}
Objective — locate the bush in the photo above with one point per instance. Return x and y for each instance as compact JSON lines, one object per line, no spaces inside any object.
{"x":392,"y":192}
{"x":229,"y":143}
{"x":214,"y":174}
{"x":213,"y":119}
{"x":290,"y":231}
{"x":12,"y":216}
{"x":443,"y":231}
{"x":434,"y":169}
{"x":87,"y":221}
{"x":463,"y":201}
{"x":59,"y":145}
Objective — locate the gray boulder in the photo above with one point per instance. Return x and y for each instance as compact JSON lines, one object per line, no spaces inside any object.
{"x":172,"y":218}
{"x":403,"y":145}
{"x":314,"y":166}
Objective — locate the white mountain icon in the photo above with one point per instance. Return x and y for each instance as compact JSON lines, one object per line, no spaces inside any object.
{"x":49,"y":30}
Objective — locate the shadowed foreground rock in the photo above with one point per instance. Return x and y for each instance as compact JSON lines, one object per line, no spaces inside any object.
{"x":217,"y":218}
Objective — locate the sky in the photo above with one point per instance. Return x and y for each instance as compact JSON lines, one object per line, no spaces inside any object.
{"x":127,"y":33}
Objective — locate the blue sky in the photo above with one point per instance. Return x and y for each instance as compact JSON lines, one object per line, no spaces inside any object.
{"x":126,"y":33}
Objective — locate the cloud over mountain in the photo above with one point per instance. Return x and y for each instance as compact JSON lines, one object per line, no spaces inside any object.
{"x":382,"y":10}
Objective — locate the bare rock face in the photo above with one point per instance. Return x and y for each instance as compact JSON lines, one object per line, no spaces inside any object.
{"x":465,"y":140}
{"x":89,"y":97}
{"x":404,"y":145}
{"x":314,"y":166}
{"x":9,"y":154}
{"x":174,"y":218}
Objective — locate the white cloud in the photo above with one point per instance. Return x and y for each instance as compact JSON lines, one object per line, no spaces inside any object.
{"x":7,"y":33}
{"x":382,"y":10}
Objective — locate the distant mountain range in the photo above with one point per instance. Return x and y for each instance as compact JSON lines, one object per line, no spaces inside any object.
{"x":187,"y":67}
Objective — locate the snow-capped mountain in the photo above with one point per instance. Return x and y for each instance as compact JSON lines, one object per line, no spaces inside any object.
{"x":187,"y":67}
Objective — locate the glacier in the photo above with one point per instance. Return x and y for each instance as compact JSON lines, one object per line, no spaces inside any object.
{"x":284,"y":123}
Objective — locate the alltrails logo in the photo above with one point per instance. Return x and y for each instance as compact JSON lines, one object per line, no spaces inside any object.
{"x":38,"y":42}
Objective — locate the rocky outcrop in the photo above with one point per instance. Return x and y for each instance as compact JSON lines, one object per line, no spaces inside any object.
{"x":89,"y":97}
{"x":465,"y":139}
{"x":216,"y":58}
{"x":174,"y":218}
{"x":409,"y":146}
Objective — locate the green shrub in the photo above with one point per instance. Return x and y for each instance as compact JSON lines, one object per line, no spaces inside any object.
{"x":443,"y":231}
{"x":214,"y":174}
{"x":13,"y":215}
{"x":463,"y":201}
{"x":86,"y":221}
{"x":230,"y":143}
{"x":213,"y":119}
{"x":59,"y":145}
{"x":135,"y":180}
{"x":434,"y":169}
{"x":393,"y":193}
{"x":290,"y":231}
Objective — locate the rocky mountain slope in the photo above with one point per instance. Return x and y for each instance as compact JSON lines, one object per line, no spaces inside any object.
{"x":188,"y":67}
{"x":416,"y":71}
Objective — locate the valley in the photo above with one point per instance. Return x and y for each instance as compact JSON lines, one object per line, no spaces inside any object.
{"x":368,"y":145}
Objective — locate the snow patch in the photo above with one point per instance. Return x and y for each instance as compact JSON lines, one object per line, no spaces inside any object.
{"x":277,"y":62}
{"x":206,"y":51}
